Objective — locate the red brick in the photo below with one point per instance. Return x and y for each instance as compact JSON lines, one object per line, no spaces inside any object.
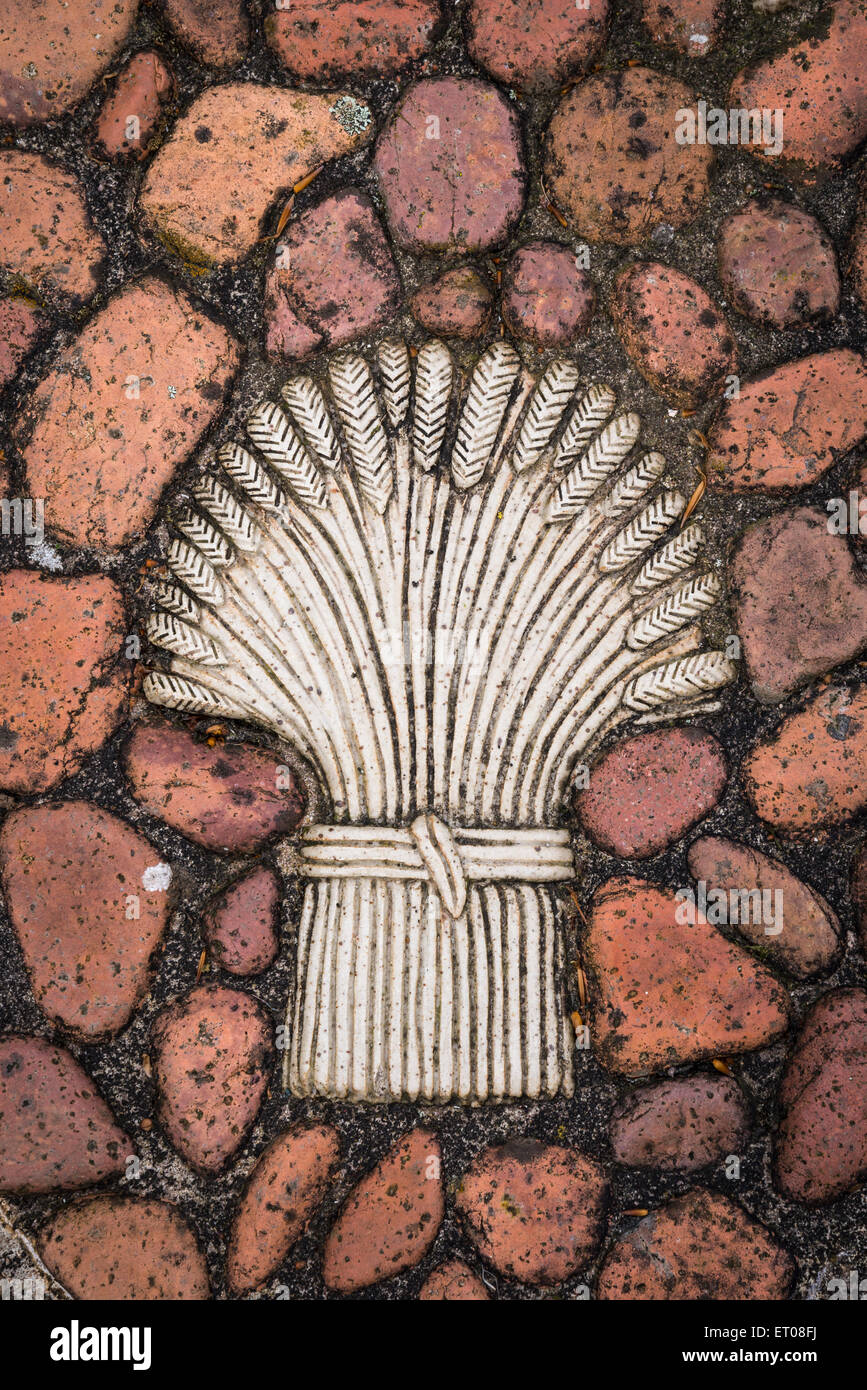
{"x":47,"y":240}
{"x":50,"y":54}
{"x":143,"y":87}
{"x":329,"y":40}
{"x":534,"y":44}
{"x":453,"y":1282}
{"x":218,"y":31}
{"x":240,"y":927}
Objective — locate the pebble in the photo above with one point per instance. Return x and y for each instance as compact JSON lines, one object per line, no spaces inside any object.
{"x":47,"y":239}
{"x":683,"y":1124}
{"x":75,"y":880}
{"x":50,"y":54}
{"x":63,"y":680}
{"x":547,"y":299}
{"x":390,"y":1219}
{"x":650,"y":789}
{"x":534,"y":44}
{"x":231,"y":798}
{"x":284,"y":1190}
{"x":534,"y":1211}
{"x":240,"y":145}
{"x":122,"y":407}
{"x":673,"y":333}
{"x":240,"y":926}
{"x":788,"y":425}
{"x":453,"y":1282}
{"x":811,"y":773}
{"x":457,"y":305}
{"x":330,"y":40}
{"x":671,"y":992}
{"x":129,"y":118}
{"x":20,"y":325}
{"x":212,"y":1055}
{"x":217,"y":31}
{"x":777,"y":264}
{"x":450,"y":167}
{"x":56,"y":1131}
{"x":611,"y":163}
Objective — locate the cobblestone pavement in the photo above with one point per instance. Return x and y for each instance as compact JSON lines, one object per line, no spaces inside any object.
{"x":199,"y":201}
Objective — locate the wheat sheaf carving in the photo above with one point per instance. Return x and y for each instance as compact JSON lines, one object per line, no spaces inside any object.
{"x":443,"y":594}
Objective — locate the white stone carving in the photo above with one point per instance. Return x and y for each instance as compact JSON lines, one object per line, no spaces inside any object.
{"x":443,"y":594}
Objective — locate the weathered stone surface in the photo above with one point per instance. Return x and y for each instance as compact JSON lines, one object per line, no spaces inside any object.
{"x":799,"y":599}
{"x":777,"y":264}
{"x":218,"y":31}
{"x":20,"y":322}
{"x":450,"y":166}
{"x":123,"y":1248}
{"x":56,"y":1131}
{"x":47,"y":240}
{"x":649,"y":789}
{"x":790,"y":424}
{"x":611,"y":162}
{"x":673,"y":332}
{"x":681,"y":1124}
{"x":822,"y":1140}
{"x":232,"y":798}
{"x":690,"y":25}
{"x":547,"y":299}
{"x":130,"y":116}
{"x":534,"y":1211}
{"x":812,"y":772}
{"x":453,"y":1282}
{"x":533,"y":44}
{"x":457,"y":305}
{"x":240,"y":927}
{"x":391,"y":1218}
{"x":284,"y":1190}
{"x":104,"y":431}
{"x":329,"y":40}
{"x":240,"y":147}
{"x":79,"y":890}
{"x":63,"y":677}
{"x":700,"y":1245}
{"x":809,"y":935}
{"x":334,"y":274}
{"x":50,"y":54}
{"x":819,"y":84}
{"x":212,"y":1053}
{"x":672,"y":991}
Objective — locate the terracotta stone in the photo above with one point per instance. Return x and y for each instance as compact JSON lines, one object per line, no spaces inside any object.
{"x":533,"y":44}
{"x":20,"y":323}
{"x":788,"y":425}
{"x":212,"y":1054}
{"x":649,"y":789}
{"x":810,"y":935}
{"x":56,"y":1131}
{"x":820,"y":85}
{"x":329,"y":40}
{"x":47,"y":240}
{"x":547,"y":299}
{"x":812,"y":771}
{"x":124,"y":1249}
{"x":668,"y":991}
{"x":534,"y":1211}
{"x":238,"y":150}
{"x":63,"y":676}
{"x":799,"y":599}
{"x":698,"y":1246}
{"x":391,"y":1218}
{"x":283,"y":1191}
{"x":777,"y":264}
{"x":125,"y":404}
{"x":50,"y":54}
{"x":450,"y":167}
{"x":457,"y":305}
{"x":334,"y":272}
{"x":821,"y":1148}
{"x":79,"y":891}
{"x":673,"y":332}
{"x":691,"y":25}
{"x":143,"y":87}
{"x":231,"y":798}
{"x":218,"y":31}
{"x":240,"y":926}
{"x":682,"y":1124}
{"x":453,"y":1282}
{"x":611,"y":163}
